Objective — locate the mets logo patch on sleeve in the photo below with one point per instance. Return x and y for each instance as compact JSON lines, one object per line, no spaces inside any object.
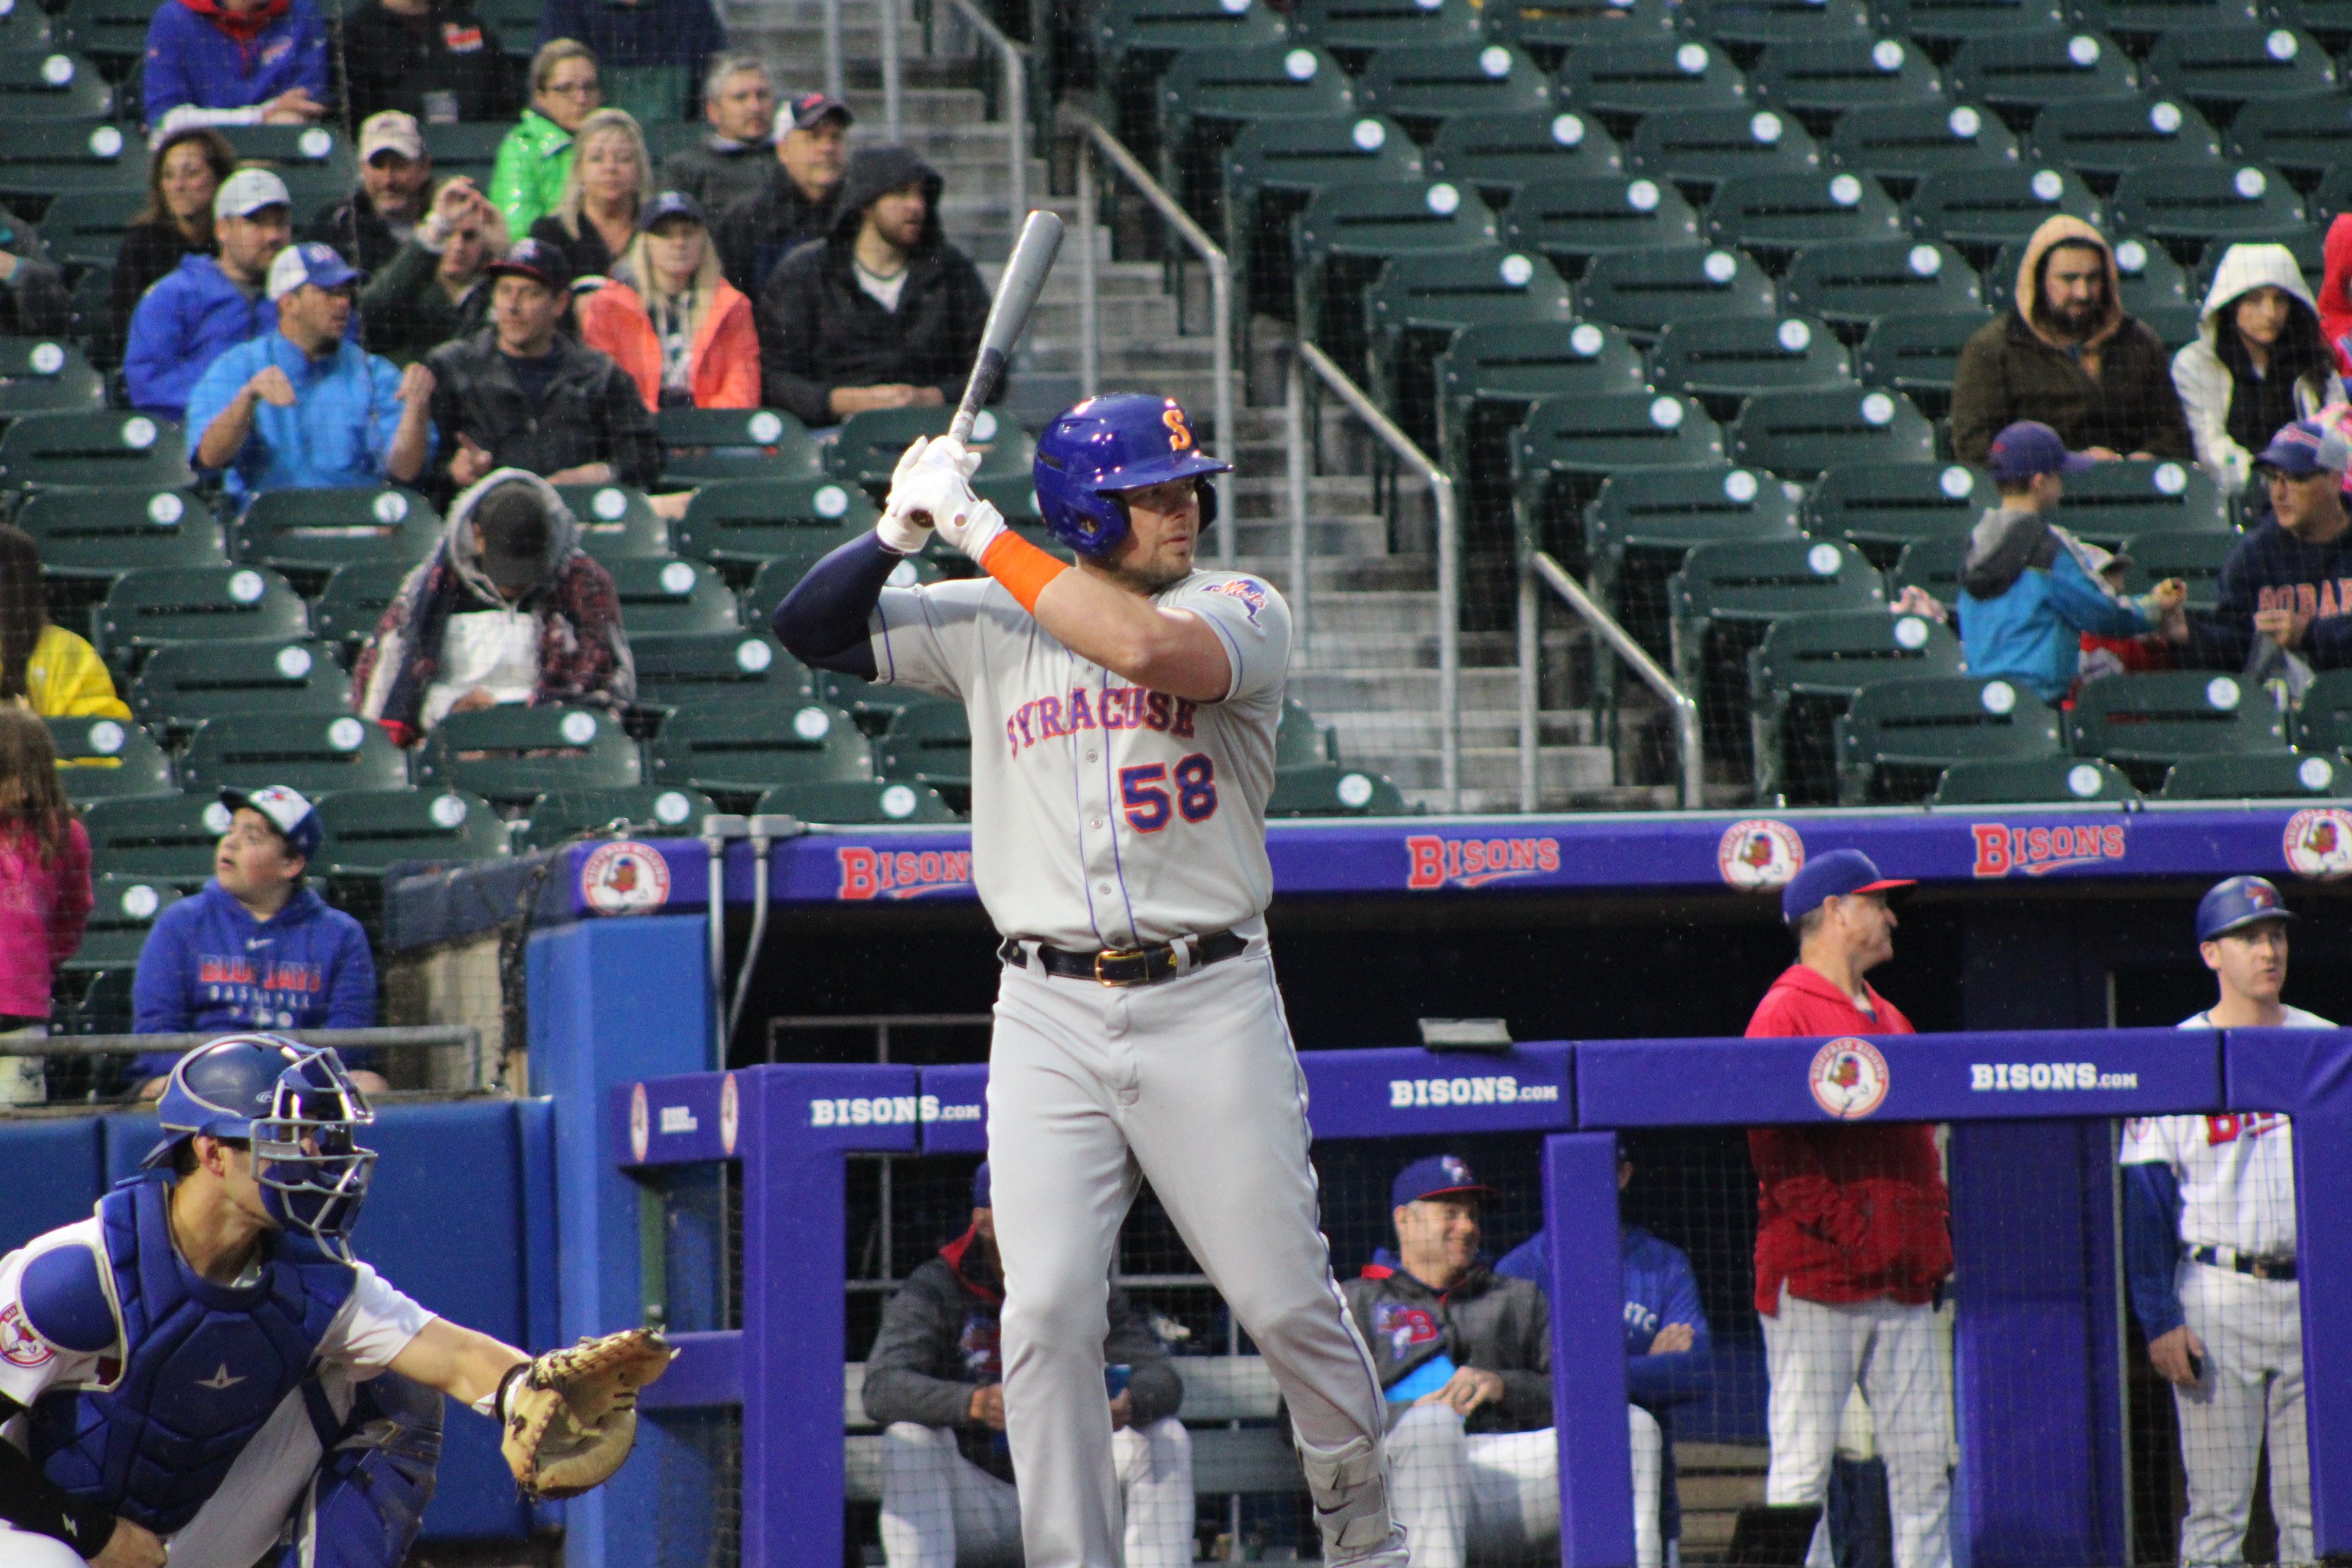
{"x":1248,"y":590}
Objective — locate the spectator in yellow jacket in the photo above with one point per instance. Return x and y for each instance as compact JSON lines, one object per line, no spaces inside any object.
{"x":43,"y":666}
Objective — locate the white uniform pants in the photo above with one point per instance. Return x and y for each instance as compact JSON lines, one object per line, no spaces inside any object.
{"x":1496,"y":1495}
{"x":1191,"y":1085}
{"x":941,"y":1510}
{"x":2252,"y":1331}
{"x":1816,"y":1354}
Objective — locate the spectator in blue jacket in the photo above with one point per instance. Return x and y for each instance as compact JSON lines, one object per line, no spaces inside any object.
{"x":1669,"y":1350}
{"x":2288,"y":583}
{"x":234,"y":62}
{"x":650,"y":54}
{"x":208,"y":305}
{"x":304,"y":406}
{"x":2028,"y":590}
{"x":257,"y":949}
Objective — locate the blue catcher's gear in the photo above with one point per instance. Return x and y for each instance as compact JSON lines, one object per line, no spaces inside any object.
{"x":365,"y":1507}
{"x":298,"y":1108}
{"x":1123,"y":441}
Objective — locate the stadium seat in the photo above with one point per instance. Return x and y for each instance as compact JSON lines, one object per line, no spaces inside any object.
{"x":1772,"y":216}
{"x":1421,"y":86}
{"x":93,"y":448}
{"x":2302,"y":136}
{"x":2218,"y":68}
{"x":1932,"y":563}
{"x":2115,"y":500}
{"x":40,"y":375}
{"x":354,"y":600}
{"x":168,"y":838}
{"x":739,"y":753}
{"x":113,"y":32}
{"x":1904,"y":144}
{"x":158,"y":604}
{"x":1761,"y":24}
{"x":642,"y":809}
{"x":1642,"y":522}
{"x":101,"y":533}
{"x":2323,"y":718}
{"x":2277,"y":775}
{"x":2308,"y":245}
{"x":1208,"y":95}
{"x":847,"y":802}
{"x":1135,"y":40}
{"x":1014,"y":496}
{"x":1800,"y":432}
{"x":27,"y":29}
{"x":1897,"y":737}
{"x":1576,"y":217}
{"x":703,"y":443}
{"x":83,"y":228}
{"x":1346,"y":234}
{"x":1353,"y":30}
{"x":471,"y":150}
{"x":1724,"y":598}
{"x":1552,"y":29}
{"x":617,"y":522}
{"x":310,"y":751}
{"x":1500,"y":152}
{"x":1275,"y":167}
{"x":515,"y":23}
{"x":2022,"y":781}
{"x":369,"y":831}
{"x":2140,"y":23}
{"x":513,"y":753}
{"x":1333,"y":789}
{"x":184,"y":684}
{"x":875,"y":705}
{"x":1917,"y":354}
{"x":1884,"y":508}
{"x":1820,"y":80}
{"x":719,"y":669}
{"x":59,"y":85}
{"x":1643,"y":291}
{"x":2186,"y":208}
{"x":1622,"y":81}
{"x":1850,"y":286}
{"x":1977,"y":212}
{"x":1808,"y":668}
{"x":870,"y":444}
{"x":930,"y":743}
{"x":666,"y":598}
{"x":2145,"y":723}
{"x":2102,"y":139}
{"x":1412,"y":313}
{"x":1299,"y":740}
{"x":1707,"y":148}
{"x":756,"y":605}
{"x":1489,"y":376}
{"x":123,"y":911}
{"x":2021,"y":71}
{"x":99,"y":759}
{"x":1722,"y":362}
{"x":315,"y":530}
{"x":2153,"y":283}
{"x":2195,"y":557}
{"x":1570,"y":443}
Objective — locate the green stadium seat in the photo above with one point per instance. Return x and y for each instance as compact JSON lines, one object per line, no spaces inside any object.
{"x":757,"y":605}
{"x":101,"y":533}
{"x":1933,"y":564}
{"x":85,"y":227}
{"x":1552,"y":29}
{"x":2196,"y":558}
{"x":870,"y":444}
{"x":93,"y":448}
{"x":648,"y":810}
{"x":854,"y":802}
{"x":2115,"y":500}
{"x":2102,"y":139}
{"x":762,"y":520}
{"x":1134,"y":39}
{"x":1799,"y":433}
{"x":666,"y":598}
{"x":300,"y":154}
{"x":2302,"y":136}
{"x":2323,"y":719}
{"x":1299,"y":741}
{"x":1644,"y":290}
{"x":112,"y":31}
{"x":1570,"y":443}
{"x":1500,"y":152}
{"x":167,"y":837}
{"x":310,"y":751}
{"x":1334,"y":789}
{"x":1273,"y":168}
{"x":315,"y":530}
{"x":1014,"y":495}
{"x":1573,"y":218}
{"x":1644,"y":521}
{"x":516,"y":22}
{"x":2024,"y":780}
{"x":1823,"y":79}
{"x":1977,"y":212}
{"x":736,"y":752}
{"x":1897,"y":737}
{"x":1884,"y":508}
{"x":59,"y":85}
{"x":617,"y":522}
{"x":1421,"y":86}
{"x":187,"y":683}
{"x":1805,"y":672}
{"x":99,"y":759}
{"x":929,"y":743}
{"x":703,"y":443}
{"x":875,"y":705}
{"x":1850,"y":286}
{"x":1917,"y":354}
{"x":1346,"y":234}
{"x":2277,"y":775}
{"x":25,"y":29}
{"x":1705,"y":148}
{"x":1760,"y":24}
{"x":2140,"y":23}
{"x":471,"y":150}
{"x":1208,"y":95}
{"x":1904,"y":144}
{"x":122,"y":912}
{"x":1420,"y":303}
{"x":1489,"y":377}
{"x":1722,"y":362}
{"x":1620,"y":81}
{"x":40,"y":375}
{"x":2153,"y":283}
{"x":370,"y":831}
{"x":2021,"y":71}
{"x":159,"y":605}
{"x":719,"y":669}
{"x":354,"y":600}
{"x":2308,"y":245}
{"x":2330,"y":21}
{"x":2186,"y":207}
{"x":1353,"y":30}
{"x":513,"y":753}
{"x":2145,"y":723}
{"x":2220,"y":68}
{"x":1772,"y":216}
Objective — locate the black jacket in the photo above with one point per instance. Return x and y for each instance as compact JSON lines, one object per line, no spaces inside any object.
{"x":1497,"y":1325}
{"x":756,"y":232}
{"x":592,"y":412}
{"x":149,"y":250}
{"x":818,"y":329}
{"x":589,"y":255}
{"x":718,"y":173}
{"x":2271,"y":569}
{"x":352,"y":227}
{"x":447,"y":60}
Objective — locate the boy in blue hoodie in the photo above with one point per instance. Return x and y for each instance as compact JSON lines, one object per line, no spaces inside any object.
{"x":257,"y":949}
{"x":208,"y":305}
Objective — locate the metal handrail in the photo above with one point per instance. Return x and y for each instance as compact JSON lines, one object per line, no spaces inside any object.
{"x":1015,"y":60}
{"x":1686,"y":734}
{"x":465,"y":1037}
{"x":1449,"y":554}
{"x":1094,"y":139}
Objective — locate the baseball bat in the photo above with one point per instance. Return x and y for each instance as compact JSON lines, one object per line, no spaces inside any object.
{"x":1008,"y":314}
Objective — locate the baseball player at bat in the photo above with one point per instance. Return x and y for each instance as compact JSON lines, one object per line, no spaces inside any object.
{"x":2208,"y":1250}
{"x":202,"y":1372}
{"x":1123,"y":712}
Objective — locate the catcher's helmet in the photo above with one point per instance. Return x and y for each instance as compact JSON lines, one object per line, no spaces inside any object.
{"x":300,"y":1112}
{"x":1123,"y":441}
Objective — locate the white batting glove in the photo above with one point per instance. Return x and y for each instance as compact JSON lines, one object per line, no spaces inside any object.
{"x":937,"y":485}
{"x":900,"y":532}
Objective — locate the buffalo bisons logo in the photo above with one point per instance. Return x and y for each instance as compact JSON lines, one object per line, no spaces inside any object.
{"x":1759,"y":855}
{"x":1849,"y":1079}
{"x":870,"y":873}
{"x":1403,"y":1327}
{"x":624,"y":879}
{"x":2002,"y":850}
{"x":2318,"y":843}
{"x":1435,"y":862}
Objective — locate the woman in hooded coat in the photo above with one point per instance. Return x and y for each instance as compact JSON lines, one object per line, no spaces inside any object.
{"x":2260,"y":361}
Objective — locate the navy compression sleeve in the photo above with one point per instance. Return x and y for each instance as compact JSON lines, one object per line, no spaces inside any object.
{"x":2152,"y":1246}
{"x":823,"y":621}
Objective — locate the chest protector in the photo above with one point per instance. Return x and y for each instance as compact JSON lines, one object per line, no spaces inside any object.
{"x":205,"y":1365}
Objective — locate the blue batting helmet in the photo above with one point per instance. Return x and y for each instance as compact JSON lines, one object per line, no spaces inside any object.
{"x":300,"y":1112}
{"x":1120,"y":442}
{"x":2240,"y":901}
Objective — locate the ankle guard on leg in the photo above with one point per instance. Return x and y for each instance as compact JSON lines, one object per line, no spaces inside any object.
{"x":1351,"y":1495}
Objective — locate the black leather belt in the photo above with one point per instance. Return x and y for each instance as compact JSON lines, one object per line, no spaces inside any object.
{"x":2258,"y":1264}
{"x":1129,"y":965}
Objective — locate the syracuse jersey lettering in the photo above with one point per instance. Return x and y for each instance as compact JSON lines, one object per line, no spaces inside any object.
{"x":1109,"y":707}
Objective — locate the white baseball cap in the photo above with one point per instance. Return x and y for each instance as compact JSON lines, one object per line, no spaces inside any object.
{"x":310,"y":262}
{"x":248,"y":191}
{"x":390,"y":131}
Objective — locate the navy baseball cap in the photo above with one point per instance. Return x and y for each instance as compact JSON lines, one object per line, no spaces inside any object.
{"x":2029,"y":448}
{"x":288,"y":811}
{"x":2299,"y":450}
{"x":1836,"y":875}
{"x":1438,"y":1176}
{"x":980,"y":1188}
{"x":669,"y":204}
{"x":2240,"y":901}
{"x":536,"y":260}
{"x":811,"y":109}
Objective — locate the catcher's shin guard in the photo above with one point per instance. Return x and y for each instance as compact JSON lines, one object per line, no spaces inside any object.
{"x":364,"y":1506}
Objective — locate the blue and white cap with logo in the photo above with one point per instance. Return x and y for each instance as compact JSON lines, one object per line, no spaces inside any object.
{"x":2304,"y":448}
{"x":2240,"y":901}
{"x":310,"y":262}
{"x":1437,"y":1176}
{"x":288,"y":810}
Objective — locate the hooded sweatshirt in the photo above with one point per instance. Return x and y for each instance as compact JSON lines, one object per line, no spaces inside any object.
{"x":2335,"y":303}
{"x":1482,"y":1320}
{"x":2114,"y":389}
{"x":208,"y":66}
{"x":819,"y":329}
{"x":2210,"y":396}
{"x":193,"y":316}
{"x":2271,"y":569}
{"x":43,"y":908}
{"x":2028,"y":592}
{"x":209,"y":964}
{"x":582,"y":655}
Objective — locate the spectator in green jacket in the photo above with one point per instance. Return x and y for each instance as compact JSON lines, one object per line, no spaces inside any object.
{"x":536,"y":157}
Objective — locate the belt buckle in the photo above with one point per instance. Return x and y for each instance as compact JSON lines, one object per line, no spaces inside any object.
{"x":1121,"y":955}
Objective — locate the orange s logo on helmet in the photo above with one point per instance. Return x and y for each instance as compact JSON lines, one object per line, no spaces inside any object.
{"x":1179,"y":436}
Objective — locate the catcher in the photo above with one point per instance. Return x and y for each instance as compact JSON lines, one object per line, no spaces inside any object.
{"x":202,"y":1369}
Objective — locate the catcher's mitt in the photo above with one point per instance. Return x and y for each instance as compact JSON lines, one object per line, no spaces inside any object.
{"x":569,"y":1419}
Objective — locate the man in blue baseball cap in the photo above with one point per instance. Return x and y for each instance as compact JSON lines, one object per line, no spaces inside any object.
{"x":2209,"y":1255}
{"x":2282,"y":586}
{"x":2030,"y":590}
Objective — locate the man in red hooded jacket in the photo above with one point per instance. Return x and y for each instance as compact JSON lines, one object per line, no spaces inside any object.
{"x":1851,"y":1236}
